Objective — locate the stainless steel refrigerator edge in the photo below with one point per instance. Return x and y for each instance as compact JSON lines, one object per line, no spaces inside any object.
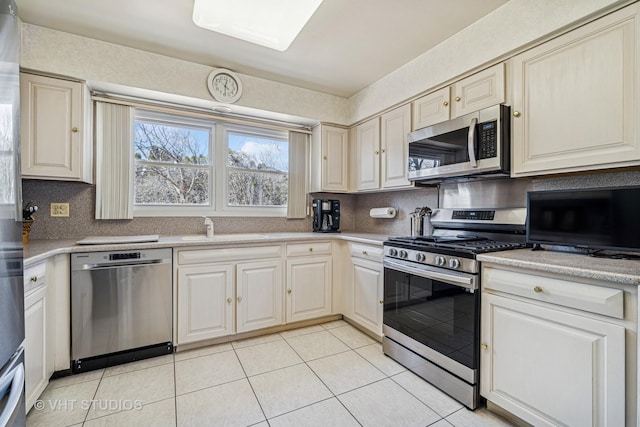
{"x":12,"y":409}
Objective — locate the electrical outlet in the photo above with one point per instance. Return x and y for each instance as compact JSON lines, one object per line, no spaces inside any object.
{"x":60,"y":209}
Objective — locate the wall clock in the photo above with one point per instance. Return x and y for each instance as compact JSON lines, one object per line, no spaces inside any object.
{"x":224,"y":85}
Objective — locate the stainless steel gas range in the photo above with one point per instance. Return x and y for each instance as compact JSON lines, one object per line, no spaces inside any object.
{"x":431,"y":318}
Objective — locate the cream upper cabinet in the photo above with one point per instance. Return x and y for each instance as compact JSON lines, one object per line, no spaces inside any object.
{"x":329,"y":159}
{"x":432,"y":108}
{"x":576,"y":100}
{"x":56,"y":135}
{"x":394,"y":150}
{"x":478,"y":91}
{"x":381,"y":151}
{"x":546,"y":362}
{"x":368,"y":155}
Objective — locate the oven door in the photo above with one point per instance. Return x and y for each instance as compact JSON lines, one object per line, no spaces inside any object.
{"x":435,"y":313}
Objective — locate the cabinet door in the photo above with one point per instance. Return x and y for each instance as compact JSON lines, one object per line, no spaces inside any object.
{"x":51,"y":126}
{"x":259,"y":299}
{"x":308,"y":288}
{"x":334,"y":159}
{"x":479,"y":91}
{"x":36,"y":360}
{"x":431,"y":109}
{"x":395,"y":125}
{"x":205,"y":302}
{"x":367,"y":294}
{"x":576,"y":99}
{"x":551,"y":367}
{"x":368,"y":155}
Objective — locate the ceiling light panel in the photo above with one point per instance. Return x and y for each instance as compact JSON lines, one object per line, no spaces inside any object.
{"x":271,"y":23}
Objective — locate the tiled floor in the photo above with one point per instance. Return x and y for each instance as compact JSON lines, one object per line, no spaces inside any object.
{"x":323,"y":375}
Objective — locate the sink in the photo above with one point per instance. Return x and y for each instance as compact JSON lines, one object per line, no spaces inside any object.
{"x":225,"y":237}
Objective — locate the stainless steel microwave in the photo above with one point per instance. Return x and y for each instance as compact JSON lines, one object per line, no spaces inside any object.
{"x":474,"y":144}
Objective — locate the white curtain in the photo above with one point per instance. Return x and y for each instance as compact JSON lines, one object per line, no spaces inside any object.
{"x":298,"y":174}
{"x":114,"y":161}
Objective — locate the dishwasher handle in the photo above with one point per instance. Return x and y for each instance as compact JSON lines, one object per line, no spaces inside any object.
{"x":107,"y":266}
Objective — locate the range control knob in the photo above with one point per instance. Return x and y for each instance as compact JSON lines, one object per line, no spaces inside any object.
{"x":420,"y":257}
{"x":393,"y":252}
{"x":403,"y":254}
{"x":440,"y":260}
{"x":454,"y":263}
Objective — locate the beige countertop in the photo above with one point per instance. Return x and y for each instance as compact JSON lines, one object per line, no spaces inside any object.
{"x":38,"y":250}
{"x":572,"y":264}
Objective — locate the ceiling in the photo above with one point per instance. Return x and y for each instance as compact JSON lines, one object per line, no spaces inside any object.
{"x":346,"y":45}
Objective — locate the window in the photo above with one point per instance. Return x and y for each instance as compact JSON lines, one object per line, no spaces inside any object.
{"x":172,"y":162}
{"x":187,"y":166}
{"x":257,"y":168}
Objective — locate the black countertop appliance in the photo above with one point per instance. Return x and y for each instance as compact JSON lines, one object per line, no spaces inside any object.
{"x":326,"y":216}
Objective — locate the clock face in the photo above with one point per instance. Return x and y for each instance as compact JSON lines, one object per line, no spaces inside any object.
{"x":224,"y":86}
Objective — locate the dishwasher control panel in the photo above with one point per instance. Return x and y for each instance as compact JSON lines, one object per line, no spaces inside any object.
{"x":121,"y":256}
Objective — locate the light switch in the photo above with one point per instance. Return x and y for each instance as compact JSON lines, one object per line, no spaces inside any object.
{"x":60,"y":209}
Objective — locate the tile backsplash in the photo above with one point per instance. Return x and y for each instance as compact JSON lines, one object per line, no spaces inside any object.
{"x":355,"y":210}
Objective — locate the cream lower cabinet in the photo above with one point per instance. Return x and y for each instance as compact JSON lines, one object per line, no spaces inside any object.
{"x":309,"y":272}
{"x":546,"y":363}
{"x":363,"y":289}
{"x":259,"y":295}
{"x":576,"y":99}
{"x":39,"y":350}
{"x":221,"y":292}
{"x":206,"y":302}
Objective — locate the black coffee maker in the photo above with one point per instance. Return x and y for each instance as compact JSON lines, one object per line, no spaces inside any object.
{"x":326,"y":216}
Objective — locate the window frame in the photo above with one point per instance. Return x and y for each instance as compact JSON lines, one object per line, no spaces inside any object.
{"x":223,"y":202}
{"x":177,"y":121}
{"x":218,"y":175}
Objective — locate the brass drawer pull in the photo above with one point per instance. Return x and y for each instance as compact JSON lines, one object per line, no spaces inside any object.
{"x":537,"y":289}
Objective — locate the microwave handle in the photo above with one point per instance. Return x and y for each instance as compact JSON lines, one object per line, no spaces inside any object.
{"x":471,"y":143}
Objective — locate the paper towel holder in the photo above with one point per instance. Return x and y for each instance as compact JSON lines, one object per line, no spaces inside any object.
{"x":387,"y":212}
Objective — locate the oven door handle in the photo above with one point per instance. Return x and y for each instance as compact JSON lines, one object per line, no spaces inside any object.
{"x":466,"y":281}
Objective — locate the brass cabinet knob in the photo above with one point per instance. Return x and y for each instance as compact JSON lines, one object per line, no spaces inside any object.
{"x":377,"y":153}
{"x":34,"y":278}
{"x":289,"y":291}
{"x":229,"y":300}
{"x":537,"y":289}
{"x":458,"y":99}
{"x":516,"y":114}
{"x":365,"y":253}
{"x":74,"y":129}
{"x":239,"y":299}
{"x":324,"y":157}
{"x":382,"y":150}
{"x":310,"y":249}
{"x":445,"y":103}
{"x":484,"y":346}
{"x":381,"y":301}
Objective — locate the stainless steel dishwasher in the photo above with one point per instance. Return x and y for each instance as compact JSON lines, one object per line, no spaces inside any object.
{"x":121,"y":307}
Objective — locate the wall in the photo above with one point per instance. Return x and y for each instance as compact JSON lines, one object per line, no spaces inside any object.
{"x":515,"y":24}
{"x":83,"y":58}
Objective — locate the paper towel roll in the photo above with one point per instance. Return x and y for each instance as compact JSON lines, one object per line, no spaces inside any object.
{"x":382,"y":213}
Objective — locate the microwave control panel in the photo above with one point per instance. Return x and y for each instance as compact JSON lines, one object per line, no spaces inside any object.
{"x":487,"y":140}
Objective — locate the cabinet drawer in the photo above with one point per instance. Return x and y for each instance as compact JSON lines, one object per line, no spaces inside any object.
{"x":592,"y":298}
{"x":200,"y":256}
{"x":373,"y":253}
{"x":34,"y":277}
{"x":313,"y":248}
